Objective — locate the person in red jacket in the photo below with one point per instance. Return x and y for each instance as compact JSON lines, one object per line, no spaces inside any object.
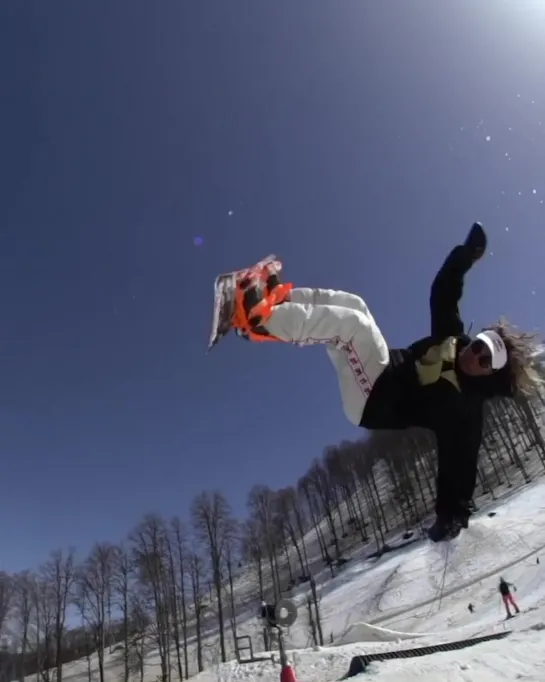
{"x":439,"y":382}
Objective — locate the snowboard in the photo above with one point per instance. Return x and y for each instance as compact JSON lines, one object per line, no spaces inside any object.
{"x":225,"y":295}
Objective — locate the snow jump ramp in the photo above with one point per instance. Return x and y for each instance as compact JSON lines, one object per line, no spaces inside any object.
{"x":364,"y":632}
{"x":359,"y":664}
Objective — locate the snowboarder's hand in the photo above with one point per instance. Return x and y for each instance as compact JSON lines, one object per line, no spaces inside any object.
{"x":476,"y":241}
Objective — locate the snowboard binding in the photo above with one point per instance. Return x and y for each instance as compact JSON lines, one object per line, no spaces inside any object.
{"x":244,"y":300}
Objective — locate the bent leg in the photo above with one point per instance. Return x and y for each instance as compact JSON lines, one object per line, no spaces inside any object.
{"x":356,"y":346}
{"x":343,"y":299}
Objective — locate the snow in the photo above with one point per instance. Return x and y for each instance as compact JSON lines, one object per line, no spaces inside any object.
{"x":365,"y":632}
{"x":488,"y":662}
{"x":416,"y":596}
{"x":399,"y":600}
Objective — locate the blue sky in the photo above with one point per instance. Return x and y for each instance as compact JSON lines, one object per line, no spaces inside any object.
{"x":350,"y":138}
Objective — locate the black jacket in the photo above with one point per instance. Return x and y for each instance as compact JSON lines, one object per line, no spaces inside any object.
{"x":504,"y":588}
{"x":422,"y":386}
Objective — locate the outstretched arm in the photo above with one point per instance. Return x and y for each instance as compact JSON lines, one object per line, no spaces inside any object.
{"x":448,"y":285}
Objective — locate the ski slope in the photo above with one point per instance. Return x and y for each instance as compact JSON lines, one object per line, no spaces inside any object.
{"x":419,"y":597}
{"x":416,"y":596}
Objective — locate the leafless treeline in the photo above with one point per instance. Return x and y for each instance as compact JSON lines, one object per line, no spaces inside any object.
{"x":172,"y":589}
{"x":150,"y":594}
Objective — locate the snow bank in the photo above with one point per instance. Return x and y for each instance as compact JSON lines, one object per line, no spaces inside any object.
{"x":520,"y":657}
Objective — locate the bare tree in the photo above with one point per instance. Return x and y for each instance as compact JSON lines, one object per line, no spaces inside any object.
{"x":43,"y":624}
{"x":122,"y":579}
{"x":314,"y":605}
{"x":213,"y":523}
{"x":95,"y":582}
{"x":140,"y":644}
{"x":81,"y":602}
{"x":8,"y":667}
{"x":261,"y":508}
{"x":150,"y":555}
{"x":197,"y":575}
{"x":174,"y":600}
{"x":308,"y":493}
{"x":253,"y":552}
{"x":178,"y":542}
{"x":23,"y":588}
{"x":290,"y":514}
{"x":58,"y":575}
{"x":6,"y":597}
{"x":231,"y":546}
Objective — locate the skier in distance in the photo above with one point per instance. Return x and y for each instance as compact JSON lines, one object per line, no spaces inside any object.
{"x":439,"y":382}
{"x":504,"y":588}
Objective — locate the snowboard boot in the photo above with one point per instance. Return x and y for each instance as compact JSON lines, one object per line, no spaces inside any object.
{"x":446,"y":528}
{"x":243,"y":301}
{"x":258,"y":290}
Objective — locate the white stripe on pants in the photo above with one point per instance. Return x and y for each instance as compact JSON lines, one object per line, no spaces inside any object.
{"x":341,"y":321}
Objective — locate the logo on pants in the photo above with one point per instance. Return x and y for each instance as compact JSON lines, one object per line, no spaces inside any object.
{"x":353,"y":359}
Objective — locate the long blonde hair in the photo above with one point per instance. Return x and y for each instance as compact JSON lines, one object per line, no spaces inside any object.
{"x":523,"y":349}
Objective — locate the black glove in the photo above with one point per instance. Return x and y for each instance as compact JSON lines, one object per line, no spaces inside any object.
{"x":476,"y":241}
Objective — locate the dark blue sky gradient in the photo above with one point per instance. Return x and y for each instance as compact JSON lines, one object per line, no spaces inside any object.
{"x":350,"y":138}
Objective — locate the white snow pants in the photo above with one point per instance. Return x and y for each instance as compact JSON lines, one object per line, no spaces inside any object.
{"x":343,"y":323}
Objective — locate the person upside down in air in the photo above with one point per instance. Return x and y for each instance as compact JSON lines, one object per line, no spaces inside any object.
{"x":439,"y":382}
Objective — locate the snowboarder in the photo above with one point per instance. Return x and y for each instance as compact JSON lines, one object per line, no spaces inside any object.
{"x":440,"y":382}
{"x":470,"y":608}
{"x":508,"y":600}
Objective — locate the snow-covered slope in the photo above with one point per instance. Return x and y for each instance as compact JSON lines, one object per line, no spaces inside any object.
{"x":420,"y":597}
{"x":416,"y":596}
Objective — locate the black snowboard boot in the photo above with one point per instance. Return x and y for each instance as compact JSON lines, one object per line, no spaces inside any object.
{"x":446,"y":528}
